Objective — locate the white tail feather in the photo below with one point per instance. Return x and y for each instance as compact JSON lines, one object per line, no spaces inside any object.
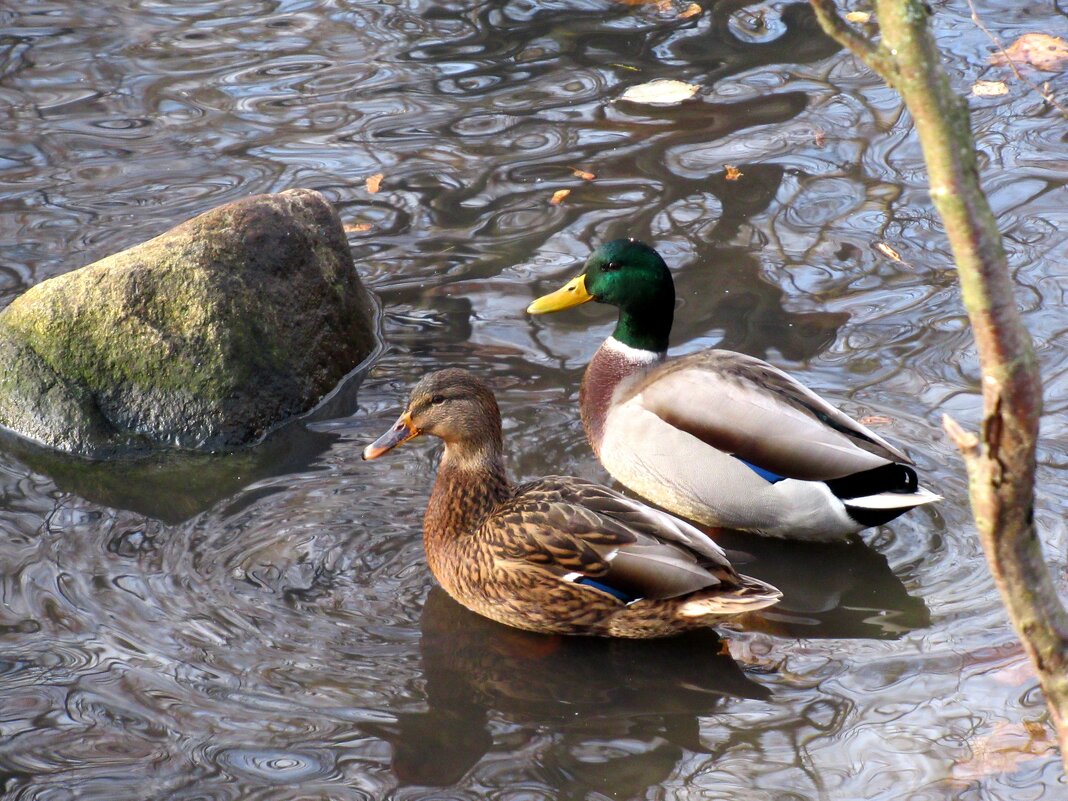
{"x":893,"y":500}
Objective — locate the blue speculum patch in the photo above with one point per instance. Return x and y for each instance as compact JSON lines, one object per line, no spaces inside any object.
{"x":767,"y":475}
{"x":624,"y":597}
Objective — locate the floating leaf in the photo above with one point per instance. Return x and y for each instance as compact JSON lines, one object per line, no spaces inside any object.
{"x":989,"y":88}
{"x":1040,"y":50}
{"x":691,"y":10}
{"x":660,"y":93}
{"x":585,"y":176}
{"x":732,"y":172}
{"x":875,"y":420}
{"x":374,"y":182}
{"x":355,"y":228}
{"x":1036,"y":729}
{"x":888,"y":251}
{"x":859,"y":17}
{"x":559,"y":195}
{"x":1004,"y":750}
{"x":819,"y":137}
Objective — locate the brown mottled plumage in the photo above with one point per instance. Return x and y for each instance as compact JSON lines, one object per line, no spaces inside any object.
{"x":522,"y":555}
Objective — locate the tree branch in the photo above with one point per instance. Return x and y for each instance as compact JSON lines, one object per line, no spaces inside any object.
{"x":848,"y":37}
{"x":1001,"y":460}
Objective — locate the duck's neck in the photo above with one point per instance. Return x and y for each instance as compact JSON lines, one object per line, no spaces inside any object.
{"x":613,"y":362}
{"x":469,"y":485}
{"x":647,"y":327}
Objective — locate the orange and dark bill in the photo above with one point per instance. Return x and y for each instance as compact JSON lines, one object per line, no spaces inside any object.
{"x":402,"y":431}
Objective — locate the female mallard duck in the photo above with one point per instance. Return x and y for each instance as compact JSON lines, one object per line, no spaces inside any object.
{"x":558,"y":555}
{"x":716,"y":436}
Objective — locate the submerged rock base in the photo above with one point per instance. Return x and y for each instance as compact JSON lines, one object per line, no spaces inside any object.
{"x":203,"y":338}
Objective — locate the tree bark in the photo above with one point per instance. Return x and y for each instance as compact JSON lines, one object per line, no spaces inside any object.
{"x":1001,"y":460}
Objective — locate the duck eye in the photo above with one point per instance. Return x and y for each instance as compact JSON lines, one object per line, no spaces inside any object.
{"x":437,"y":400}
{"x":611,"y":267}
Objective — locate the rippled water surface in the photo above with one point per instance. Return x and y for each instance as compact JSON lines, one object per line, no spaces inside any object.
{"x":263,"y":626}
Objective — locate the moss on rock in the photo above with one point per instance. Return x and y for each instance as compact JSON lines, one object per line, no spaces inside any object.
{"x":202,"y":338}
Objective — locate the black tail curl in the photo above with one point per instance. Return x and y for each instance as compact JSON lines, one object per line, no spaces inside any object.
{"x":892,"y":477}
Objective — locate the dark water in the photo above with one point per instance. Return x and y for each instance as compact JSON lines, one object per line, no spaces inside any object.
{"x":263,"y":626}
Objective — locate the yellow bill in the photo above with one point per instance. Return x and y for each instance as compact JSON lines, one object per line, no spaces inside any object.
{"x":573,"y":293}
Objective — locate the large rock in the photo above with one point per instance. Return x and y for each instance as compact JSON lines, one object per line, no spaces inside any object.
{"x":202,"y":338}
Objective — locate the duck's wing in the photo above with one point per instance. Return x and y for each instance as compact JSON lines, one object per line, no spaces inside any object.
{"x":587,"y":533}
{"x":748,"y":408}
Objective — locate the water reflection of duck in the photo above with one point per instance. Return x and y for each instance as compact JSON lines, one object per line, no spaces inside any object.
{"x":857,"y":595}
{"x":717,"y":436}
{"x":559,"y":555}
{"x":477,"y":670}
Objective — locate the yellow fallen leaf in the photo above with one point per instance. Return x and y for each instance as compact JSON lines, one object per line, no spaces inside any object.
{"x":662,"y":92}
{"x":691,"y":10}
{"x":374,"y":182}
{"x":732,"y":172}
{"x":1040,"y":50}
{"x":355,"y":228}
{"x":585,"y":176}
{"x":859,"y":17}
{"x":874,"y":420}
{"x":559,"y":195}
{"x":1035,"y":729}
{"x":1004,"y":750}
{"x":989,"y":88}
{"x":887,"y":251}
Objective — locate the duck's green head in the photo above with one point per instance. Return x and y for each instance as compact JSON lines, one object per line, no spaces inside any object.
{"x":631,"y":276}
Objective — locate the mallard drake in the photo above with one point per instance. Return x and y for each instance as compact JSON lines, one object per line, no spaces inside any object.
{"x":557,"y":555}
{"x":716,"y":436}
